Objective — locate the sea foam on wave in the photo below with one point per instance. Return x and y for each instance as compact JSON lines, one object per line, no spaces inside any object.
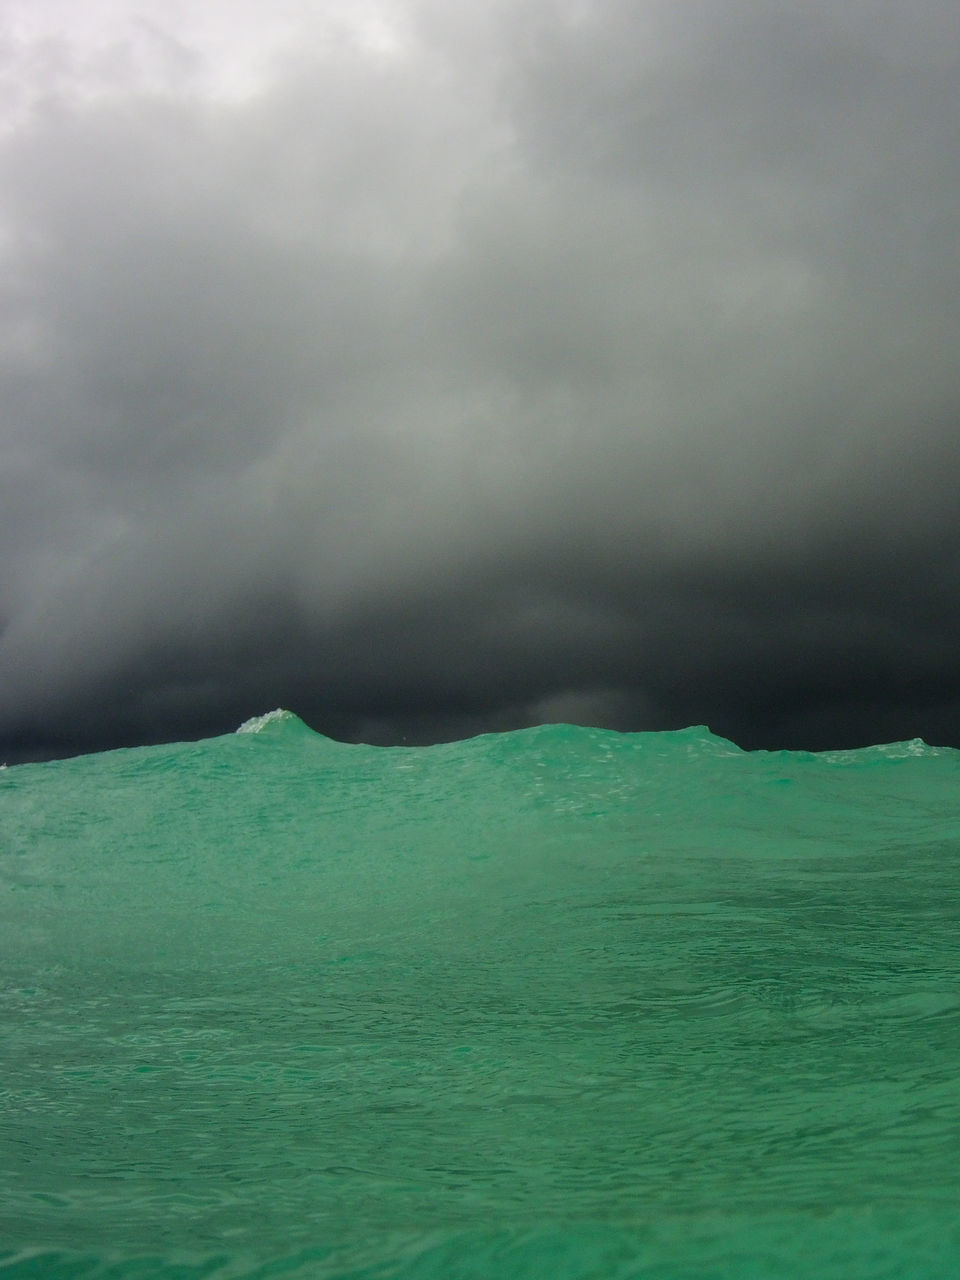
{"x":256,"y":724}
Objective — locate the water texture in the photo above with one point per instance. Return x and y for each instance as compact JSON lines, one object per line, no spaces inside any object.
{"x":560,"y":1003}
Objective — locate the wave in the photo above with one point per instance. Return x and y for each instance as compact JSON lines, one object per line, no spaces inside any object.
{"x":560,"y":1001}
{"x":692,"y":741}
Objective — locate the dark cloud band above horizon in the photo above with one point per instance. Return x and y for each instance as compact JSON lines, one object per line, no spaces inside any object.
{"x":463,"y":370}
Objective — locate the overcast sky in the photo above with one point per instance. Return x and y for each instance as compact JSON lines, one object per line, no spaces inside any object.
{"x":436,"y":368}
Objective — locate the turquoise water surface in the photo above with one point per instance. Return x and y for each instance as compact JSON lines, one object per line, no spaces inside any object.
{"x":558,"y":1003}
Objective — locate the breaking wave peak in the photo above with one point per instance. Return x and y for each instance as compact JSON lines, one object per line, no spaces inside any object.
{"x":272,"y":721}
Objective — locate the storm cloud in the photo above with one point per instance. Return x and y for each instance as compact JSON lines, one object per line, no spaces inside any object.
{"x":440,"y":371}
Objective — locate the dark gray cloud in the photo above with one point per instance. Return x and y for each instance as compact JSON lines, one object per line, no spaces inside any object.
{"x":551,"y":362}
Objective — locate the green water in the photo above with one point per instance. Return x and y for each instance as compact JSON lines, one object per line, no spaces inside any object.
{"x":560,"y":1003}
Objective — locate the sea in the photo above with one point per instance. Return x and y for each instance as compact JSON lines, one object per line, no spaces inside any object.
{"x":556,"y":1004}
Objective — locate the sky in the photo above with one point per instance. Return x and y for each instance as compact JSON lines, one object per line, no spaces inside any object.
{"x":435,"y":369}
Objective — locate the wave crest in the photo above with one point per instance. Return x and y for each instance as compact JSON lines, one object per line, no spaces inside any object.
{"x":257,"y":724}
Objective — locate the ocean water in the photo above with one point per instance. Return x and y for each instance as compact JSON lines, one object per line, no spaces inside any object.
{"x":561,"y":1003}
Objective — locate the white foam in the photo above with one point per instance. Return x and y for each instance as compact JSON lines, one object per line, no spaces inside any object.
{"x":258,"y":723}
{"x":915,"y":747}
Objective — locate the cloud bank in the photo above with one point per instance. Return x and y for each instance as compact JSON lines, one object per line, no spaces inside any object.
{"x":433,"y":372}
